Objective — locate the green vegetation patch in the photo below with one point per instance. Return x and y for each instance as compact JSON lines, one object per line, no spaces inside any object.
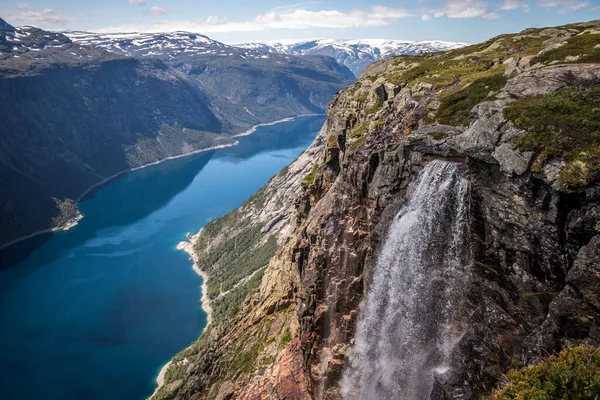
{"x":455,"y":108}
{"x":438,"y":135}
{"x":358,"y":143}
{"x":67,"y":211}
{"x":332,"y":141}
{"x":583,"y":45}
{"x":563,"y":125}
{"x":360,"y":130}
{"x":375,"y":107}
{"x":236,"y":257}
{"x":572,"y":375}
{"x":286,"y":338}
{"x":312,"y":175}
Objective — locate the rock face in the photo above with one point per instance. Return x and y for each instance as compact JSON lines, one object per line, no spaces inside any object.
{"x":532,"y":287}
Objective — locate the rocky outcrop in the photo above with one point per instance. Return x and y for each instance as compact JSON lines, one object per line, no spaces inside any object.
{"x":533,"y":282}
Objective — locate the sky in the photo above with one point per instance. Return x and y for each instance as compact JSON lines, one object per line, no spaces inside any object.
{"x":235,"y":21}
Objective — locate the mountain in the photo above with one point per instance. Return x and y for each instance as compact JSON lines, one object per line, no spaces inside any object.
{"x":444,"y":225}
{"x":355,"y":54}
{"x":246,"y":86}
{"x":75,"y":114}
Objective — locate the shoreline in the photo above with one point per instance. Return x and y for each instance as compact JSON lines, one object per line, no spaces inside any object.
{"x":79,"y":216}
{"x":288,"y":119}
{"x":188,"y":246}
{"x":72,"y":223}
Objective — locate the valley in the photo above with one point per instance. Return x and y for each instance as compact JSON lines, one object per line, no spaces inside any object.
{"x":184,"y":218}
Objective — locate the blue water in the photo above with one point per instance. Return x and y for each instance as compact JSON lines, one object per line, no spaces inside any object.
{"x":94,"y":312}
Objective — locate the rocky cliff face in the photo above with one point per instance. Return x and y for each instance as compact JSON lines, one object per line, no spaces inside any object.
{"x":503,"y":109}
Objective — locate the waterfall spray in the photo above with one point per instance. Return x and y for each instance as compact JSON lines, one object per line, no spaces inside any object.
{"x":415,"y":305}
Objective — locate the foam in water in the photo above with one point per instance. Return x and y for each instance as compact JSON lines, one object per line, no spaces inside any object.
{"x":414,"y":308}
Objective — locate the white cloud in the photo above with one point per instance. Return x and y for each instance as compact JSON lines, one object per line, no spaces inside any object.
{"x":465,"y":9}
{"x":297,"y":19}
{"x":138,"y":2}
{"x":514,"y":4}
{"x":426,"y":17}
{"x":556,"y":3}
{"x":491,"y":15}
{"x":577,"y":6}
{"x":157,"y":11}
{"x":25,"y":14}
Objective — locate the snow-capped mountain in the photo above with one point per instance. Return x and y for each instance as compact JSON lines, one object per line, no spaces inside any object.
{"x":166,"y":46}
{"x":355,"y":54}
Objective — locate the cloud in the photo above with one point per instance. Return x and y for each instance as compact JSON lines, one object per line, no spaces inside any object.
{"x":137,"y":2}
{"x":577,"y":6}
{"x":556,"y":3}
{"x":157,"y":11}
{"x":426,"y":17}
{"x":296,"y":19}
{"x":514,"y":4}
{"x":491,"y":15}
{"x":25,"y":14}
{"x":464,"y":9}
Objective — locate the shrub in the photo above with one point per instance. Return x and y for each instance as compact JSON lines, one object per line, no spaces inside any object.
{"x":455,"y":108}
{"x":581,"y":45}
{"x":563,"y":125}
{"x":572,"y":375}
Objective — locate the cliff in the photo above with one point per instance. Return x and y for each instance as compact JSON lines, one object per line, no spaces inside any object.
{"x":518,"y":113}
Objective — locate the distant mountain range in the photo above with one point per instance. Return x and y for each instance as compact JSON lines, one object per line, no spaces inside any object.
{"x":354,"y":54}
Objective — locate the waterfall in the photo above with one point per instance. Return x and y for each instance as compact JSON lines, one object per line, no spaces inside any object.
{"x":414,"y":308}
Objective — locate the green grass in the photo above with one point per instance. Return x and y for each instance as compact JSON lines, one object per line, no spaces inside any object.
{"x":358,"y":143}
{"x":375,"y":107}
{"x":582,"y":45}
{"x":312,"y":175}
{"x":437,"y":135}
{"x":572,"y":375}
{"x":332,"y":141}
{"x":286,"y":338}
{"x":360,"y":130}
{"x":456,"y":107}
{"x":563,"y":125}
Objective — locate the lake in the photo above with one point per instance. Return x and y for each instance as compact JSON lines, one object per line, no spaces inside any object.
{"x":94,"y":312}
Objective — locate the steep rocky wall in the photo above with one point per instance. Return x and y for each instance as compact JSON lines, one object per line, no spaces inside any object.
{"x":534,"y":232}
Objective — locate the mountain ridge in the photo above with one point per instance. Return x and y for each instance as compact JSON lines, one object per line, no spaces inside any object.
{"x":356,"y":54}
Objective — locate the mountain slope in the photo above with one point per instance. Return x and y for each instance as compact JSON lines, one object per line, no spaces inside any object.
{"x":75,"y":114}
{"x":355,"y":54}
{"x":516,"y":114}
{"x":72,"y":117}
{"x":246,"y":87}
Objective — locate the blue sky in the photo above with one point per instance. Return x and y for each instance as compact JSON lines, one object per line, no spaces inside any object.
{"x":234,"y":21}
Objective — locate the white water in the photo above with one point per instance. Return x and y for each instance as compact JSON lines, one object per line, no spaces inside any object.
{"x":414,"y":308}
